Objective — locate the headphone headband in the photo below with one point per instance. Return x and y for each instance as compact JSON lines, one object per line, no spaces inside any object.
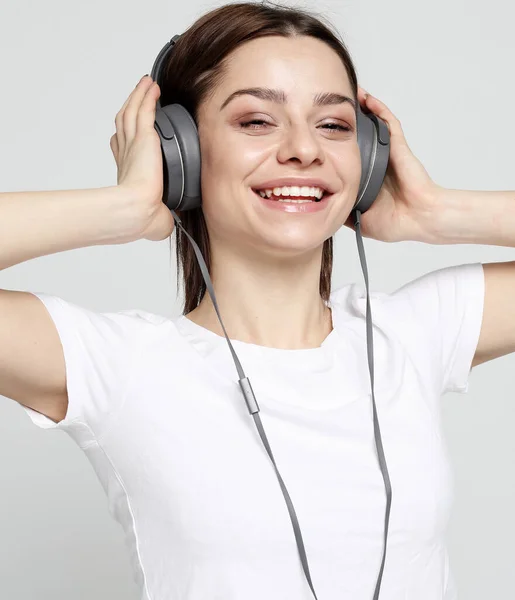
{"x":181,"y":151}
{"x":161,"y":58}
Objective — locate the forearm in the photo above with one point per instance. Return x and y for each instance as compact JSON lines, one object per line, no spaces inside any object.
{"x":38,"y":223}
{"x":473,"y":217}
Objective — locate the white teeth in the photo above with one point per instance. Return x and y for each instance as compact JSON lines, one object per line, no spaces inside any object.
{"x":296,"y":191}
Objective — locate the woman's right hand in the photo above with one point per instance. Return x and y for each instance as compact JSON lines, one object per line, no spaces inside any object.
{"x":137,"y":151}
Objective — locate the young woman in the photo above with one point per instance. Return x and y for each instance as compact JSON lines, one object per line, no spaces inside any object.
{"x":154,"y":402}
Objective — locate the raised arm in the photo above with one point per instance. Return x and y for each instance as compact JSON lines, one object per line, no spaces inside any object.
{"x":32,"y":224}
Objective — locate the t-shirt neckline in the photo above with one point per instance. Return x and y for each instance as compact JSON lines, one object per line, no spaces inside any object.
{"x":307,"y":357}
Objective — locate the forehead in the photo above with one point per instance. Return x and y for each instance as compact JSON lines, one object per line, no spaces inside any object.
{"x":293,"y":63}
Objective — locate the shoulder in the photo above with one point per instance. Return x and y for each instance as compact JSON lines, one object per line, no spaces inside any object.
{"x":420,"y":297}
{"x":434,"y":318}
{"x":105,"y":328}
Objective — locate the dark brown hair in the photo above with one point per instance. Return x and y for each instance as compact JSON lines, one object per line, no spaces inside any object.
{"x":196,"y":66}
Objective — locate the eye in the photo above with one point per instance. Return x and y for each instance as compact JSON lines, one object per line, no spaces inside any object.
{"x":338,"y":127}
{"x":246,"y":125}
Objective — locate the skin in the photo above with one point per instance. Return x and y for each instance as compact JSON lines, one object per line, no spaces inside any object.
{"x":266,"y":263}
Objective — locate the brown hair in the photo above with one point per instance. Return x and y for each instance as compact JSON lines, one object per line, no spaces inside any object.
{"x":194,"y":69}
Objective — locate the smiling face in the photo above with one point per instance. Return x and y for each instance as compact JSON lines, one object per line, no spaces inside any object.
{"x":253,"y":140}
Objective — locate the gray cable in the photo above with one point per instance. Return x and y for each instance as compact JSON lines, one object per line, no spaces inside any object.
{"x":253,"y":407}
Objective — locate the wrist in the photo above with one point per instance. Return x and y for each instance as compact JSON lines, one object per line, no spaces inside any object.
{"x":123,"y":219}
{"x":450,"y":220}
{"x":473,"y":217}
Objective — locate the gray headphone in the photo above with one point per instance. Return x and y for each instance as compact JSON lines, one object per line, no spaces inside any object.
{"x":181,"y":191}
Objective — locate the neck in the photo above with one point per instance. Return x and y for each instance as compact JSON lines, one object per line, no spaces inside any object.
{"x":272,"y":304}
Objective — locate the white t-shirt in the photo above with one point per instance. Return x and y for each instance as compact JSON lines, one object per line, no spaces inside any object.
{"x":156,"y":406}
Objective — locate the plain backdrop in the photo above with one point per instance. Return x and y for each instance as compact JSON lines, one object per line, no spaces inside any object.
{"x":444,"y":68}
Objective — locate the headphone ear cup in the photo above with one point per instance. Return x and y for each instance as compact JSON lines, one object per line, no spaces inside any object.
{"x":180,"y":148}
{"x":374,"y":148}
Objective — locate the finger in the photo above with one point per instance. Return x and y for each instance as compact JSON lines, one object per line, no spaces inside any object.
{"x":362,"y":94}
{"x":383,"y":112}
{"x":120,"y":136}
{"x":147,"y":112}
{"x":120,"y":133}
{"x":113,"y":142}
{"x":130,"y":112}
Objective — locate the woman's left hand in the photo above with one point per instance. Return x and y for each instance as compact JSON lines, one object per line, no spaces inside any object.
{"x":407,"y":199}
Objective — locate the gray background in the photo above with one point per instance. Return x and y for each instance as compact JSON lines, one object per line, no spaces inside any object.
{"x":446,"y":71}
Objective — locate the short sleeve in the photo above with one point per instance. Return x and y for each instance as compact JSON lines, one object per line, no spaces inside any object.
{"x":440,"y":314}
{"x":99,"y":351}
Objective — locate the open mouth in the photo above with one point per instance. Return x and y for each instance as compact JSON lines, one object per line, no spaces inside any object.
{"x":293,"y":199}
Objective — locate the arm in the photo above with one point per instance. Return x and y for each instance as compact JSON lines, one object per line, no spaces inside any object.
{"x":481,"y":217}
{"x":410,"y":206}
{"x":34,"y":224}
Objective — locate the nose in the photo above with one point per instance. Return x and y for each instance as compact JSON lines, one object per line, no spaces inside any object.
{"x":301,"y":144}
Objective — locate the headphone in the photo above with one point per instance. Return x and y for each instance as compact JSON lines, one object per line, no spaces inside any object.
{"x":181,"y":150}
{"x":182,"y":191}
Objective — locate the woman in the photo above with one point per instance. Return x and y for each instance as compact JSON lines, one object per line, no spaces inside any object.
{"x":154,"y":402}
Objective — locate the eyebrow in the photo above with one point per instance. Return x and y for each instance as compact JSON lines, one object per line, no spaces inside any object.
{"x":278,"y":96}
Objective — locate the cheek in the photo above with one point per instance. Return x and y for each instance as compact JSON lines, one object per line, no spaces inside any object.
{"x":225,"y":157}
{"x":219,"y":172}
{"x":347,"y":163}
{"x":226,"y":165}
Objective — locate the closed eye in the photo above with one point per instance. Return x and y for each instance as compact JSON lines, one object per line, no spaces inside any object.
{"x":246,"y":125}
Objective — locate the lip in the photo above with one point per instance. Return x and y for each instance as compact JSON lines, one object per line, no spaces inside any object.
{"x":298,"y":181}
{"x":302,"y":208}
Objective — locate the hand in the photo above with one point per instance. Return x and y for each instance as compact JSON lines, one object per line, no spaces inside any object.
{"x":406,"y":201}
{"x":137,"y":152}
